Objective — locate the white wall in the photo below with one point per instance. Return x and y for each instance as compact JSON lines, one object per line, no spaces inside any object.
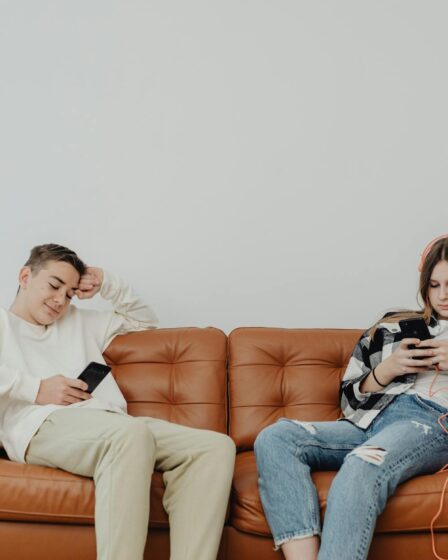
{"x":241,"y":162}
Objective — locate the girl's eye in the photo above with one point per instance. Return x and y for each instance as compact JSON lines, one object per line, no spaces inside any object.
{"x":54,"y":287}
{"x":434,"y":285}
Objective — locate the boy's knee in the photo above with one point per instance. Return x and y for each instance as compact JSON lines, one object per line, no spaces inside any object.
{"x":136,"y":436}
{"x":219,"y":450}
{"x":223,"y":445}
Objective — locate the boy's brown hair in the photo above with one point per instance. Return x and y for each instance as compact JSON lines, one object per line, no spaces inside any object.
{"x":41,"y":254}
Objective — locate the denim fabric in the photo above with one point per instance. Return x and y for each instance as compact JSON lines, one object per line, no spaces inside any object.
{"x":404,"y":441}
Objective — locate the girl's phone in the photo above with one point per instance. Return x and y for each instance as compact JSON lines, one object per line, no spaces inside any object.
{"x":415,"y":328}
{"x":94,"y":374}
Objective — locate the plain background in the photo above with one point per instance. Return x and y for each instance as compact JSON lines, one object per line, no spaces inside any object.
{"x":272,"y":163}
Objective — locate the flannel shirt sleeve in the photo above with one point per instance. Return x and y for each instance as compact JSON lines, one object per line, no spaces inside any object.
{"x":358,"y":368}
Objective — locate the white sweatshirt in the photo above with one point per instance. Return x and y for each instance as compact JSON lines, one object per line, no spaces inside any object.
{"x":29,"y":353}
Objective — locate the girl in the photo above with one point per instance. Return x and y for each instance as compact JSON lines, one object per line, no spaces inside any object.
{"x":391,"y":404}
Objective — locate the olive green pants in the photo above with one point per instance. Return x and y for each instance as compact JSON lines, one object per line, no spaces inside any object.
{"x":120,"y":453}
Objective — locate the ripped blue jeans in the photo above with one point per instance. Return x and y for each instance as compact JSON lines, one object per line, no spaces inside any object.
{"x":403,"y":441}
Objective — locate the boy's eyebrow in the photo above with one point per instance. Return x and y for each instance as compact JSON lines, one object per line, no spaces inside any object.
{"x":61,"y":281}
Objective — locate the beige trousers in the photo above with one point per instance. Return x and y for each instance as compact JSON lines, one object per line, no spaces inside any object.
{"x":120,"y":453}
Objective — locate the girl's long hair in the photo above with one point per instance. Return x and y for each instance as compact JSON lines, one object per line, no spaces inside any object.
{"x":437,"y":253}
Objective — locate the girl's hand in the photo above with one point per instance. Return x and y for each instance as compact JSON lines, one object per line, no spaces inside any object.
{"x":439,"y":351}
{"x":405,"y":360}
{"x":90,"y":283}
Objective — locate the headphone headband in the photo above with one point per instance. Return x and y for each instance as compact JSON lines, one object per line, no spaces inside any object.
{"x":428,"y":248}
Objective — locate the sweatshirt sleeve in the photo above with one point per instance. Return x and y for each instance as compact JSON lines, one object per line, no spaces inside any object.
{"x":17,"y":385}
{"x":14,"y":383}
{"x":358,"y":368}
{"x":129,"y":314}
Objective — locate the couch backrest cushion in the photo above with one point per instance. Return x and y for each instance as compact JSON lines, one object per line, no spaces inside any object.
{"x":293,"y":373}
{"x":174,"y":374}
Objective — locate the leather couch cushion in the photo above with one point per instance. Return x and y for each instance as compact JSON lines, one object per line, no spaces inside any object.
{"x":410,"y":509}
{"x":293,"y":373}
{"x":177,"y":375}
{"x":33,"y":493}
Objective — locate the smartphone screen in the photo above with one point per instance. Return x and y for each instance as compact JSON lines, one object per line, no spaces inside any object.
{"x":415,"y":328}
{"x":94,"y":374}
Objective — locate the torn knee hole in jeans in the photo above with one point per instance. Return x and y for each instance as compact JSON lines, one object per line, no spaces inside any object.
{"x":308,"y":426}
{"x":370,"y":453}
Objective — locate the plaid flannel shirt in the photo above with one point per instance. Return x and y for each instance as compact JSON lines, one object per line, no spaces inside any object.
{"x":363,"y":408}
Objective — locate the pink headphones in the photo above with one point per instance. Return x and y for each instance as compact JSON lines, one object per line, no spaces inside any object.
{"x":427,"y":249}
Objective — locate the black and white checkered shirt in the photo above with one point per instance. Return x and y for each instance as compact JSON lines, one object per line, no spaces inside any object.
{"x":362,"y":408}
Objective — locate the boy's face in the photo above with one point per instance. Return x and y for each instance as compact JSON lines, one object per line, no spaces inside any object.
{"x":46,"y":295}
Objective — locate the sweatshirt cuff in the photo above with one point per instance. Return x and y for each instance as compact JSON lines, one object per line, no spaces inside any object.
{"x":109,"y":285}
{"x":27,"y":389}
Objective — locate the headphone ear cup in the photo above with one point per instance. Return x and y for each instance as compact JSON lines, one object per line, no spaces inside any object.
{"x":428,"y":248}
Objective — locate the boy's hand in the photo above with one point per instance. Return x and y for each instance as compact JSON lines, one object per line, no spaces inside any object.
{"x":90,"y":283}
{"x":62,"y":390}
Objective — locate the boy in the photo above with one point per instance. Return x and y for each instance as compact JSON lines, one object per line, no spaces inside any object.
{"x":47,"y":417}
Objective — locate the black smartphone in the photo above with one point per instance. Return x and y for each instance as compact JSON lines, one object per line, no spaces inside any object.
{"x":415,"y":328}
{"x":94,"y":374}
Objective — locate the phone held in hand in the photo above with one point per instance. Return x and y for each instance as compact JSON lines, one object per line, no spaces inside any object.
{"x":93,"y":374}
{"x":415,"y":328}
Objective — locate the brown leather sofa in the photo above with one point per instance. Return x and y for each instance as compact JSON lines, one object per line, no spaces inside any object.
{"x":237,"y":385}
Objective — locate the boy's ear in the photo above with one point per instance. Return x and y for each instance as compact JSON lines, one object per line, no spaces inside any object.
{"x":24,"y":274}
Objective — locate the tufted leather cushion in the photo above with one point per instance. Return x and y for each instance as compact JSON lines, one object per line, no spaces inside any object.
{"x":293,"y":373}
{"x":33,"y":493}
{"x":177,"y":375}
